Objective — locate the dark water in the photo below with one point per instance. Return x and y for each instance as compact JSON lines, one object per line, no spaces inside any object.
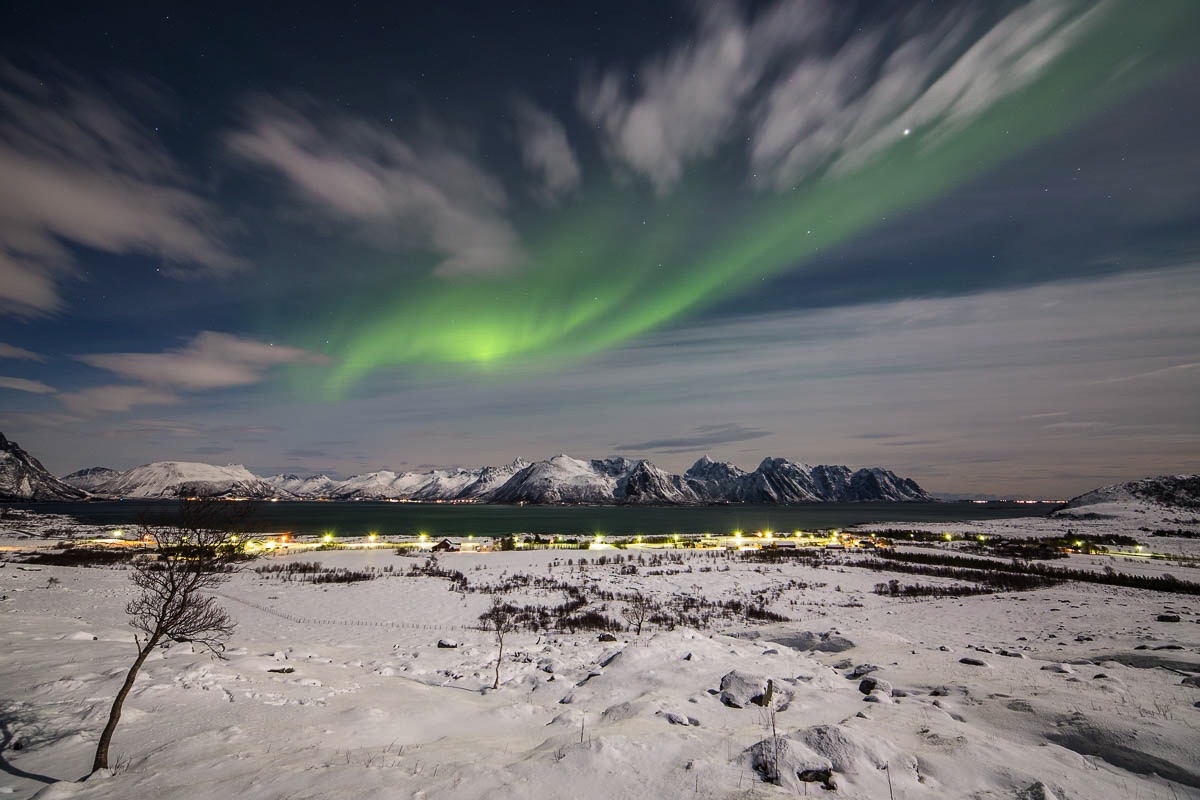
{"x":357,"y":519}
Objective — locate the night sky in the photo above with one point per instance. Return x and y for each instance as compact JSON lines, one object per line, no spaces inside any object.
{"x":960,"y":240}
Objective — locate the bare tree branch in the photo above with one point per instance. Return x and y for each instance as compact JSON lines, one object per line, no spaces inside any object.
{"x":194,"y":553}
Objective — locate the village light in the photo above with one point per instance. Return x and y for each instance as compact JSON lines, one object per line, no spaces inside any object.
{"x":372,"y":536}
{"x":328,"y":537}
{"x":676,"y":537}
{"x":947,"y":536}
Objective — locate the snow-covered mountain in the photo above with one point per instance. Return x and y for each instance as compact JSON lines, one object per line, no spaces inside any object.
{"x":1178,"y":491}
{"x":90,"y":478}
{"x":308,"y":487}
{"x":22,"y":477}
{"x":561,"y":479}
{"x":164,"y":479}
{"x":780,"y":481}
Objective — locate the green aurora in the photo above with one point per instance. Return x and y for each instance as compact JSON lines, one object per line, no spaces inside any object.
{"x":619,"y":262}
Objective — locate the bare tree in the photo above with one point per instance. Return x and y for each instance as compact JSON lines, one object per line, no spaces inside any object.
{"x":636,"y":611}
{"x":194,"y":552}
{"x":500,"y":619}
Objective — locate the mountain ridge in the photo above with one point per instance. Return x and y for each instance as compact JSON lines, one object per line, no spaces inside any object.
{"x":560,"y":479}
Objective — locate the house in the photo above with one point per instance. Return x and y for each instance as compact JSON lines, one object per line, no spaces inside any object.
{"x":445,"y":546}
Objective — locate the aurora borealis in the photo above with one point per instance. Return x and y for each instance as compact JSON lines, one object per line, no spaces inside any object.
{"x":461,"y":235}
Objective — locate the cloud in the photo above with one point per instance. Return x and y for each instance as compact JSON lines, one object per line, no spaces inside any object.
{"x":689,"y":100}
{"x":210,"y":361}
{"x":546,"y":152}
{"x":9,"y":351}
{"x":429,"y":194}
{"x":115,"y":398}
{"x":25,"y":385}
{"x":705,"y":436}
{"x":809,"y":92}
{"x":838,"y":110}
{"x":211,"y":450}
{"x":78,"y":169}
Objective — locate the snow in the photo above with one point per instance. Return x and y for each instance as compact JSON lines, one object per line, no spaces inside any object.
{"x":374,"y":708}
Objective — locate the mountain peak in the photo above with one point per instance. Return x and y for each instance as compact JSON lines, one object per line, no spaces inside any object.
{"x":22,"y":477}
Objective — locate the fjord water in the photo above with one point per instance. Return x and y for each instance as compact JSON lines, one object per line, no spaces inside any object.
{"x":361,"y":518}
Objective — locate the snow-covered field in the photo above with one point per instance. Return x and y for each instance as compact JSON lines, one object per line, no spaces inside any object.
{"x":1081,"y":692}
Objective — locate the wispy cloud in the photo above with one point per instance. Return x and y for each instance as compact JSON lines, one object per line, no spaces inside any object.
{"x":427,"y":192}
{"x":688,"y":101}
{"x":19,"y":353}
{"x":809,"y":94}
{"x":77,"y":168}
{"x":25,"y":385}
{"x":115,"y":398}
{"x":705,"y":436}
{"x":546,"y":152}
{"x":209,"y":361}
{"x":839,"y":110}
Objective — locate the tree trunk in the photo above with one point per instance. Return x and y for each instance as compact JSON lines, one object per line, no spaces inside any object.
{"x":114,"y":716}
{"x":499,"y":655}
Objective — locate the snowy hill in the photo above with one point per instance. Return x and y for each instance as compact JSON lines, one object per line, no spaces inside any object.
{"x":90,"y":478}
{"x":164,"y":479}
{"x":1161,"y":500}
{"x":1178,"y":491}
{"x":22,"y":477}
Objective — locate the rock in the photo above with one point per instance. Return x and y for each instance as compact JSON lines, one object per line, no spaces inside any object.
{"x":1061,"y":669}
{"x":872,"y":684}
{"x":447,"y":644}
{"x":607,"y":637}
{"x":877,"y":697}
{"x":1011,"y":654}
{"x":1191,"y":680}
{"x":821,"y":776}
{"x":740,"y":689}
{"x":845,"y":663}
{"x":283,"y":670}
{"x":788,"y":763}
{"x":676,"y":719}
{"x":973,"y":662}
{"x":860,"y":670}
{"x":944,"y":649}
{"x":1036,"y":791}
{"x":828,"y":642}
{"x":1167,"y":618}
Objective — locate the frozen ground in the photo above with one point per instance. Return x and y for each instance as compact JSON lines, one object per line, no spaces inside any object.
{"x":1081,"y":692}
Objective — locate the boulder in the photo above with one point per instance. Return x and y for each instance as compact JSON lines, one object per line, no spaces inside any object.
{"x":1061,"y":669}
{"x":874,"y":684}
{"x":447,"y":644}
{"x":607,"y":637}
{"x":972,"y":662}
{"x":1168,"y":618}
{"x":740,"y":689}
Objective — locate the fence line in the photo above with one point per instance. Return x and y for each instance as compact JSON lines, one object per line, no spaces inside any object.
{"x":357,"y":623}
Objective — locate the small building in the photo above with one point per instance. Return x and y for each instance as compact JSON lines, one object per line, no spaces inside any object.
{"x":446,"y":546}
